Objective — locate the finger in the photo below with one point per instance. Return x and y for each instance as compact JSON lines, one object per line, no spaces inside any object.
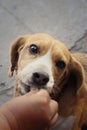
{"x":54,"y":120}
{"x":53,"y":109}
{"x":43,"y":93}
{"x":32,"y":92}
{"x":40,"y":92}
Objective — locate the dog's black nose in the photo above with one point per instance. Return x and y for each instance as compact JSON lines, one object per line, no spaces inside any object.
{"x":40,"y":78}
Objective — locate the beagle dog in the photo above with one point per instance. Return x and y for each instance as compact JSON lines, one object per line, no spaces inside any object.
{"x":41,"y":61}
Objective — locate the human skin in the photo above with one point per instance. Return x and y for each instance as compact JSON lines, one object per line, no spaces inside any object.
{"x":33,"y":111}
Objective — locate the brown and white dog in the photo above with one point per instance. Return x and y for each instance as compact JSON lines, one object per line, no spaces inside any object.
{"x":40,"y":61}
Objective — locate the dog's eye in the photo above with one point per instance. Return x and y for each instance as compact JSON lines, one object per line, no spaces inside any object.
{"x":34,"y":49}
{"x":61,"y":64}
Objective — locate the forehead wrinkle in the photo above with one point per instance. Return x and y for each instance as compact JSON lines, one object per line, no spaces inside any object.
{"x":51,"y":47}
{"x":42,"y":42}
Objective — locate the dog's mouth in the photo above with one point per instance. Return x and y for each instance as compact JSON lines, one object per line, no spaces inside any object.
{"x":25,"y":88}
{"x":30,"y":87}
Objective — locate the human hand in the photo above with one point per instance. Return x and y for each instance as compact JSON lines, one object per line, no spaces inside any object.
{"x":33,"y":111}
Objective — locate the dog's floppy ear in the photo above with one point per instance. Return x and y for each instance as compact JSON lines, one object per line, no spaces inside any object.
{"x":77,"y":71}
{"x":14,"y":54}
{"x":77,"y":76}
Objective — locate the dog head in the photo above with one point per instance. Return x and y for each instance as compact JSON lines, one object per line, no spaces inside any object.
{"x":40,"y":61}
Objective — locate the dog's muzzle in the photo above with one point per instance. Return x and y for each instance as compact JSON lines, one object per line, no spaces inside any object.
{"x":37,"y":80}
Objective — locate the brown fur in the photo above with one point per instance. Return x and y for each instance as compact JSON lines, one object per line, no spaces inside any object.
{"x":70,"y":87}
